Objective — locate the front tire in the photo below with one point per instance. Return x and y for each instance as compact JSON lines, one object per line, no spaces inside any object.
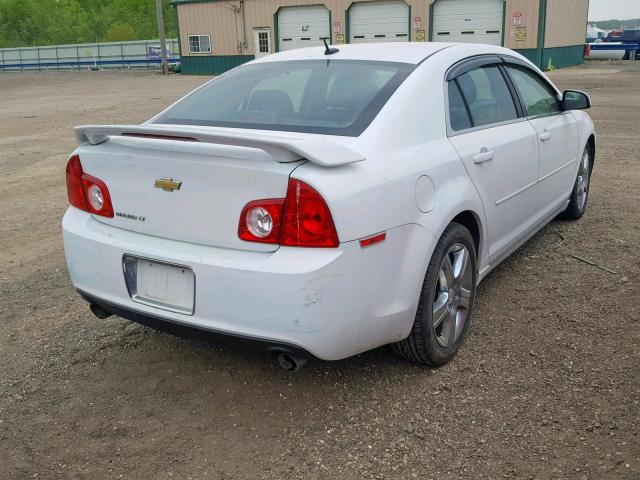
{"x":580,"y":194}
{"x":446,"y":301}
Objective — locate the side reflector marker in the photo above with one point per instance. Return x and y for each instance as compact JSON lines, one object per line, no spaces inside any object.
{"x":367,"y":242}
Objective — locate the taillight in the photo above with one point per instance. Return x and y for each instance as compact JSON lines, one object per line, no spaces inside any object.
{"x":306,"y":221}
{"x":97,"y":196}
{"x":260,"y":221}
{"x":75,"y":191}
{"x":87,"y":192}
{"x":302,"y":219}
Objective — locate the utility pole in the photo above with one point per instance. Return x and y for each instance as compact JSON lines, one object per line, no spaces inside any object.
{"x":163,"y":41}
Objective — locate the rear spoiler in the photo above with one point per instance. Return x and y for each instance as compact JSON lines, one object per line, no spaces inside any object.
{"x":283,"y":149}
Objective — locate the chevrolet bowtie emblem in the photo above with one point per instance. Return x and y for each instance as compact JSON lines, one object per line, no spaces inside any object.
{"x":167,"y":184}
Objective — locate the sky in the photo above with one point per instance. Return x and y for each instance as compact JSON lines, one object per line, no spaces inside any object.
{"x":614,"y":9}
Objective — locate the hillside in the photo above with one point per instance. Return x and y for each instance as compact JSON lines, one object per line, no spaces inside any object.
{"x":51,"y":22}
{"x":617,"y":24}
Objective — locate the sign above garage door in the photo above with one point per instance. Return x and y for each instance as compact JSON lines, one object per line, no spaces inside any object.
{"x":379,"y":22}
{"x":468,"y":21}
{"x":302,"y":26}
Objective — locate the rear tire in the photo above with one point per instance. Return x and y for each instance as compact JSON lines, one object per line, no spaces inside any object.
{"x":580,"y":194}
{"x":446,"y":301}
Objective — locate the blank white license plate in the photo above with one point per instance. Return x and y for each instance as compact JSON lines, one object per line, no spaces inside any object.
{"x":162,"y":285}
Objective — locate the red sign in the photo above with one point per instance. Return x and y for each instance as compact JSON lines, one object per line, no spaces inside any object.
{"x":517,"y":18}
{"x":336,"y":27}
{"x":417,"y":22}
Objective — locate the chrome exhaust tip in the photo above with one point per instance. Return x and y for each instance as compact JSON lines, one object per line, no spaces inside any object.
{"x":290,"y":362}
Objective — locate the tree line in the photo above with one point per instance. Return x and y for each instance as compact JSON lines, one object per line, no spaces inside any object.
{"x":26,"y":23}
{"x":616,"y":24}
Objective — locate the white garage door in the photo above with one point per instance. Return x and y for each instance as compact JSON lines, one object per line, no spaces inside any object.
{"x":469,"y":21}
{"x":300,"y":27}
{"x":379,"y":22}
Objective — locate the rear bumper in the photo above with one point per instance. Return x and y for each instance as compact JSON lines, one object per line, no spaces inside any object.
{"x":180,"y":329}
{"x":331,"y":303}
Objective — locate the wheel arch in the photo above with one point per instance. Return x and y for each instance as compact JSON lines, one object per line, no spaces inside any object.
{"x":471,"y":221}
{"x":459,"y":201}
{"x":469,"y":215}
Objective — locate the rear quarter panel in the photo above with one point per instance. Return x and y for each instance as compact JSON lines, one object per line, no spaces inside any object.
{"x":585,"y":126}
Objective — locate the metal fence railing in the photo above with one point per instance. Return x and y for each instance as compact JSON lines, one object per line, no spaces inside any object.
{"x":135,"y":54}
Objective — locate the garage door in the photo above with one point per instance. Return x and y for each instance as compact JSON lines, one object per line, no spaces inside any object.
{"x":470,"y":21}
{"x":379,"y":22}
{"x":300,"y":27}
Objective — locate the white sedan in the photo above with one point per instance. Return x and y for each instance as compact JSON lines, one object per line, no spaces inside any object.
{"x":324,"y":202}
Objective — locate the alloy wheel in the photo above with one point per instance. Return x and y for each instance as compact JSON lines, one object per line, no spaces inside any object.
{"x":582,"y":183}
{"x":453,"y":295}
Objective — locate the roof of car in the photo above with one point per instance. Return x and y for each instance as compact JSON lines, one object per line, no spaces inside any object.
{"x":409,"y":52}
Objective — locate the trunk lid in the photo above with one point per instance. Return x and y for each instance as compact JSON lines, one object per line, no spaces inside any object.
{"x":215,"y":182}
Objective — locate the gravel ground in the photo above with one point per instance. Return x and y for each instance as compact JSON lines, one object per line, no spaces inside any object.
{"x":546,"y":385}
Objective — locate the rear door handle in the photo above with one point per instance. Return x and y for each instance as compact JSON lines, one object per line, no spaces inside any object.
{"x":485,"y":155}
{"x":545,"y":135}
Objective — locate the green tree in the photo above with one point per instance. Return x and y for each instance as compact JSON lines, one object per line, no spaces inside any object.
{"x":48,"y":22}
{"x":68,"y":23}
{"x":120,"y":32}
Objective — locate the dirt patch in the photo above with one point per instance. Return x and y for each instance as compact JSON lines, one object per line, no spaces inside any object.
{"x":546,"y":385}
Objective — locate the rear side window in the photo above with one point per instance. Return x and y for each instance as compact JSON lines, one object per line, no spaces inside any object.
{"x":485,"y":96}
{"x":537,"y":97}
{"x":458,"y":113}
{"x":334,"y":97}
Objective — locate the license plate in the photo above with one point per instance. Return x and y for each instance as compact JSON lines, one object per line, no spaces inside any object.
{"x":163,"y":285}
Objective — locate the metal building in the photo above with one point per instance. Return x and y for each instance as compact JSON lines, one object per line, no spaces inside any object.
{"x":216,"y":35}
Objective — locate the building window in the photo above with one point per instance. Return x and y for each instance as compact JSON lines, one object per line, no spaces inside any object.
{"x":199,"y":43}
{"x":263,"y":42}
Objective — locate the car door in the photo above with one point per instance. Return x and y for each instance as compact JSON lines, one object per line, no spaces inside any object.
{"x":558,"y":136}
{"x":499,"y":148}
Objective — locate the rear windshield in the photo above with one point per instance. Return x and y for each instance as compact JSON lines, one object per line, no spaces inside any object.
{"x":334,"y":97}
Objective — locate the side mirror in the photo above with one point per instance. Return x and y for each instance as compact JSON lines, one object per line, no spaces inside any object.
{"x":575,"y":100}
